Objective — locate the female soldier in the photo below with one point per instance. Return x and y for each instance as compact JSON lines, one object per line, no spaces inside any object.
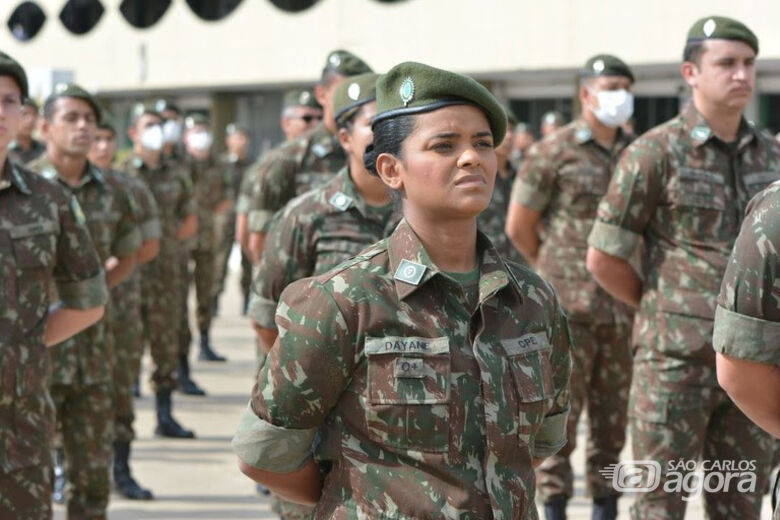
{"x":435,"y":373}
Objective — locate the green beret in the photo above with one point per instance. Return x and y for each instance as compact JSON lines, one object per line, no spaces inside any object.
{"x":300,"y":97}
{"x":552,"y":118}
{"x":414,"y":88}
{"x":11,"y":67}
{"x":107,"y":122}
{"x":196,"y":119}
{"x":140,"y":109}
{"x":162,"y":105}
{"x":722,"y":28}
{"x":606,"y":65}
{"x":30,"y":102}
{"x":234,"y":128}
{"x":352,"y":94}
{"x":71,"y":90}
{"x":345,"y":63}
{"x":523,"y":128}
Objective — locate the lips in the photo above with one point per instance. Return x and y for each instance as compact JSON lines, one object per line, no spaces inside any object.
{"x":471,"y":180}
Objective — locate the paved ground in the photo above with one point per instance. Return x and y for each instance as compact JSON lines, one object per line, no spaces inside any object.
{"x":198,"y":479}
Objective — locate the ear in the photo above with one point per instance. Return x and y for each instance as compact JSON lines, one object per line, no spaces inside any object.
{"x":132,"y":132}
{"x":44,"y":128}
{"x":321,"y":94}
{"x":689,"y":72}
{"x":389,"y":169}
{"x":345,"y":140}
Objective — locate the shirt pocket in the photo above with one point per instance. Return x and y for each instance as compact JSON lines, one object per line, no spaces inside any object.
{"x":582,"y":187}
{"x":34,"y":245}
{"x":408,"y":392}
{"x":700,"y":189}
{"x":529,"y":361}
{"x":757,"y":181}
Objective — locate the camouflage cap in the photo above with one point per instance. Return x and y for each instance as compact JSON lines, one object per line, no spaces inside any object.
{"x":552,"y":117}
{"x":163,"y":105}
{"x":345,"y":63}
{"x":11,"y":67}
{"x":352,"y":94}
{"x":606,"y":65}
{"x":414,"y":88}
{"x":71,"y":90}
{"x":196,"y":119}
{"x":300,"y":97}
{"x":722,"y":28}
{"x":234,"y":128}
{"x":107,"y":122}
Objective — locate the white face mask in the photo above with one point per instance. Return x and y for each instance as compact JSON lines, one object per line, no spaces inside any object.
{"x":171,"y":131}
{"x":200,"y":140}
{"x":152,"y":138}
{"x":615,"y":107}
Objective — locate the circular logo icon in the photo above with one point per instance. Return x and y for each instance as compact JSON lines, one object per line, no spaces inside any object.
{"x":410,"y":271}
{"x":598,"y":65}
{"x":709,"y":27}
{"x":353,"y":92}
{"x":406,"y":91}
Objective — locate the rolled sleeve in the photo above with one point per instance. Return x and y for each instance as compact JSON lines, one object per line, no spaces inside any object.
{"x":271,"y":448}
{"x":83,"y":294}
{"x":262,"y":311}
{"x":746,"y":337}
{"x":613,"y":240}
{"x":151,"y":229}
{"x":551,"y":435}
{"x":128,"y":243}
{"x":242,"y":204}
{"x":529,"y":196}
{"x":260,"y":220}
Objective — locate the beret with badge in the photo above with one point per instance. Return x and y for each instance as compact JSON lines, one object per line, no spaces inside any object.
{"x":353,"y":94}
{"x":196,"y":119}
{"x":345,"y":63}
{"x":722,"y":28}
{"x":11,"y":67}
{"x":414,"y":88}
{"x":299,"y":97}
{"x":606,"y":65}
{"x":71,"y":90}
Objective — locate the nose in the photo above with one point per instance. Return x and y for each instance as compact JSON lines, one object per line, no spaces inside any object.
{"x":469,"y":158}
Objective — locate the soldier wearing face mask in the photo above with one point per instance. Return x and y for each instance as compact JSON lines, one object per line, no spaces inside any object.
{"x":213,"y":194}
{"x":559,"y":186}
{"x":172,"y":129}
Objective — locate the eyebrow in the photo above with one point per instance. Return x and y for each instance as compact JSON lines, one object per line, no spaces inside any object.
{"x":450,"y":135}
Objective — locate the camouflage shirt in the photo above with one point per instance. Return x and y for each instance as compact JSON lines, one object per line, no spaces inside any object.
{"x":211,"y":186}
{"x":43,"y":239}
{"x":87,"y":357}
{"x":291,"y":169}
{"x":425,"y":408}
{"x":747,"y":320}
{"x":492,"y":221}
{"x":314,"y":233}
{"x":235,"y":169}
{"x":564,"y":177}
{"x":21,"y":156}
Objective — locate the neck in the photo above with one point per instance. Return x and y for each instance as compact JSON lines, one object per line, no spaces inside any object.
{"x":69,"y":167}
{"x":24,"y":140}
{"x":370,"y":187}
{"x":167,"y":149}
{"x":330,"y":124}
{"x":602,"y":134}
{"x":452,"y":245}
{"x":724,"y":122}
{"x":150,"y":158}
{"x":3,"y":157}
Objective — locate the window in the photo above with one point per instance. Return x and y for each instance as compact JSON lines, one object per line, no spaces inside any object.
{"x":143,"y":13}
{"x":212,"y":10}
{"x":26,"y":20}
{"x":293,"y":6}
{"x":531,"y":111}
{"x":81,"y":16}
{"x":652,"y":111}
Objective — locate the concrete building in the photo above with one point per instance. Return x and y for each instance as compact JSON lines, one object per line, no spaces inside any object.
{"x":233,"y":58}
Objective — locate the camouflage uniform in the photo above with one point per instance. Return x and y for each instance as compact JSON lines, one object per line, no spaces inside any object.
{"x":160,"y":278}
{"x":685,"y":191}
{"x":211,"y":186}
{"x":81,"y":385}
{"x":125,"y":320}
{"x":21,"y":156}
{"x":314,"y":233}
{"x":492,"y":221}
{"x":43,"y":239}
{"x":563,"y":178}
{"x":292,"y":169}
{"x":431,"y":398}
{"x":235,"y":169}
{"x":747,"y":319}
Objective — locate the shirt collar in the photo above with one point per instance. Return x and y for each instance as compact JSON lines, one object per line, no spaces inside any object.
{"x":10,"y":176}
{"x":404,"y":247}
{"x":583,"y":135}
{"x":323,"y":142}
{"x":91,"y":173}
{"x":695,"y":126}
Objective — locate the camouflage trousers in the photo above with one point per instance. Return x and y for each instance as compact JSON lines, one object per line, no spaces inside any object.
{"x":160,"y":312}
{"x":290,"y":510}
{"x":127,"y":329}
{"x":226,"y":225}
{"x":182,"y":296}
{"x":26,"y":493}
{"x":85,"y":417}
{"x":600,"y":382}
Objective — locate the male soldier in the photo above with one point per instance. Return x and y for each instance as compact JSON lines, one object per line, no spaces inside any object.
{"x":551,"y":121}
{"x":212,"y":191}
{"x":683,"y":187}
{"x":172,"y":128}
{"x":301,"y":113}
{"x":492,"y":221}
{"x":235,"y":163}
{"x":125,"y":318}
{"x":160,"y":277}
{"x":83,"y":365}
{"x":44,"y":241}
{"x":523,"y":138}
{"x":304,"y":163}
{"x":560,"y":183}
{"x":747,"y":320}
{"x":25,"y":148}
